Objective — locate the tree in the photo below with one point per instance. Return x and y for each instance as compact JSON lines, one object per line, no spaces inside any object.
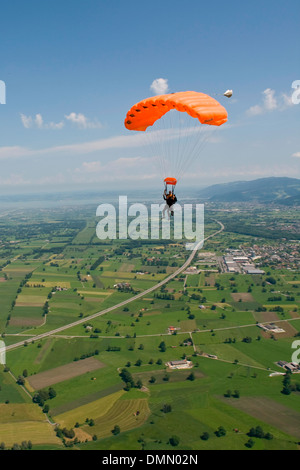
{"x":174,"y":441}
{"x":127,"y":387}
{"x":167,"y":408}
{"x":256,"y":432}
{"x":162,"y":346}
{"x":139,"y":384}
{"x":205,"y":436}
{"x":20,"y":380}
{"x":247,"y":339}
{"x":287,"y":388}
{"x":69,"y":433}
{"x":52,"y":393}
{"x":191,"y":377}
{"x":116,"y":430}
{"x":250,"y":443}
{"x":127,"y":377}
{"x":220,"y":432}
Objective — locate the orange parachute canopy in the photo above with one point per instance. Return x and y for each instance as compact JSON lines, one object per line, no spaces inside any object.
{"x":171,"y":181}
{"x":198,"y":105}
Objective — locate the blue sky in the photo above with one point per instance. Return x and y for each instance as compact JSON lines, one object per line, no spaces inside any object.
{"x":73,"y":68}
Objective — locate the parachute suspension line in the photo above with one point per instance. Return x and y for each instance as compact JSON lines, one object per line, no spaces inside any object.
{"x":192,"y":140}
{"x":195,"y":152}
{"x":182,"y":139}
{"x":154,"y":148}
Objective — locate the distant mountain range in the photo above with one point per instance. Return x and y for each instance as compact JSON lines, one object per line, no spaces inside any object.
{"x":264,"y":190}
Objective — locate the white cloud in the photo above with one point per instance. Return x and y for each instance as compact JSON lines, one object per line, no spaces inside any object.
{"x":78,"y":119}
{"x":116,"y":142}
{"x":90,"y":167}
{"x":271,"y":103}
{"x":26,"y":121}
{"x":297,"y":154}
{"x":14,"y":152}
{"x":159,"y":86}
{"x":55,"y":125}
{"x":131,"y":169}
{"x":38,"y":122}
{"x":14,"y":180}
{"x":82,"y":121}
{"x":287,"y":100}
{"x":118,"y":165}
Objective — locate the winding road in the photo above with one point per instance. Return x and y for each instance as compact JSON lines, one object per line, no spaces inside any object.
{"x":121,"y":304}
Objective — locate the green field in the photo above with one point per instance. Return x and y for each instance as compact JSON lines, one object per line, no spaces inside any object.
{"x":64,"y":275}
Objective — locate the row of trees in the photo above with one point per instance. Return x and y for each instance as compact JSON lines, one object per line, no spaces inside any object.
{"x":25,"y":445}
{"x":288,"y":385}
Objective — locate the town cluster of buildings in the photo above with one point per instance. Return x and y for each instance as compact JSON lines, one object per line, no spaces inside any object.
{"x":236,"y":261}
{"x":284,"y":255}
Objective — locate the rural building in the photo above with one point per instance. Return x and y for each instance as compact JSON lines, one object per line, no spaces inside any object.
{"x":172,"y":329}
{"x":290,"y":366}
{"x":181,"y":364}
{"x":191,"y":270}
{"x":252,"y":270}
{"x":122,"y":285}
{"x":270,"y":327}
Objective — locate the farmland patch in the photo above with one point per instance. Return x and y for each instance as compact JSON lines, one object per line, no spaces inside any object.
{"x":270,"y":412}
{"x":66,"y":372}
